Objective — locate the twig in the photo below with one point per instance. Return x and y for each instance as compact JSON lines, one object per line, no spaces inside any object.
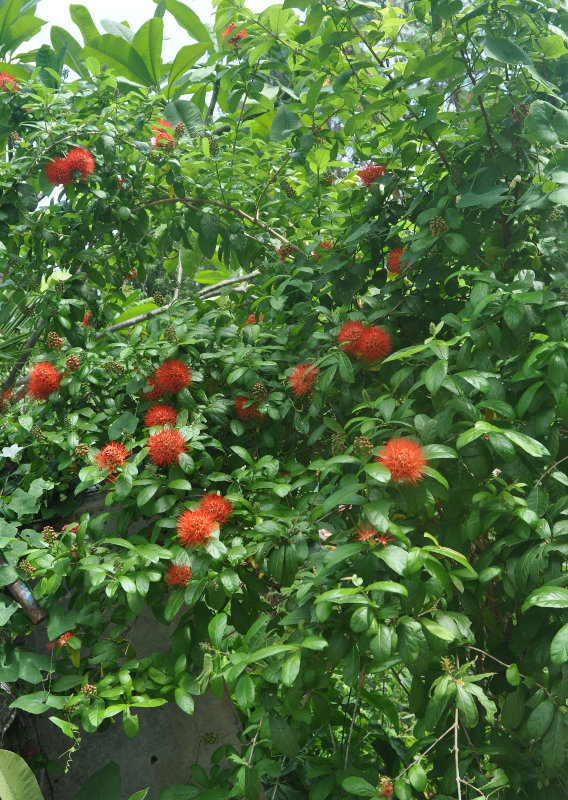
{"x":270,"y":180}
{"x":213,"y":102}
{"x":9,"y":382}
{"x":482,"y":107}
{"x":457,"y":753}
{"x":421,"y":756}
{"x":433,"y":142}
{"x":549,"y":470}
{"x":228,"y":282}
{"x":357,"y":699}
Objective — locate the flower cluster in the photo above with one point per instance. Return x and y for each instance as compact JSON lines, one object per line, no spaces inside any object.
{"x":171,"y":376}
{"x":44,"y":379}
{"x":49,"y":535}
{"x":86,"y":320}
{"x":177,"y":574}
{"x":366,"y":532}
{"x":284,"y":251}
{"x":369,"y":174}
{"x":247,"y":408}
{"x":368,"y":342}
{"x":78,"y":164}
{"x":165,"y":447}
{"x":8,"y":83}
{"x":235,"y":38}
{"x":303,"y":378}
{"x":89,"y":690}
{"x":394,"y":261}
{"x":72,"y":362}
{"x":195,"y":526}
{"x":325,"y":245}
{"x":405,"y":459}
{"x":163,"y":140}
{"x":160,"y":414}
{"x":61,"y":641}
{"x":112,"y":456}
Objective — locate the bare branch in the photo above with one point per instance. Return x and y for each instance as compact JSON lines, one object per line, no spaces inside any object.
{"x":228,"y":282}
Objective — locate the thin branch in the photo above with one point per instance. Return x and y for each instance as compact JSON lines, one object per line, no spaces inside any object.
{"x":482,"y":107}
{"x":421,"y":756}
{"x":355,"y":709}
{"x":228,"y":282}
{"x":365,"y":42}
{"x":457,"y":753}
{"x":433,"y":142}
{"x":9,"y":382}
{"x":271,"y":179}
{"x":213,"y":102}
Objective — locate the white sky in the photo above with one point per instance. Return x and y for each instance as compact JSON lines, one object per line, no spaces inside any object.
{"x":135,"y":12}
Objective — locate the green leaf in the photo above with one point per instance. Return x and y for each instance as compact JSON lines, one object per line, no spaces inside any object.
{"x":184,"y":111}
{"x":105,"y":784}
{"x":559,"y":646}
{"x":61,"y":39}
{"x":513,"y":675}
{"x":119,"y":56}
{"x":189,"y":21}
{"x":209,"y":225}
{"x":528,"y":444}
{"x":17,"y":781}
{"x":457,"y":243}
{"x":435,"y":375}
{"x":291,"y":668}
{"x":244,"y":691}
{"x":141,"y":795}
{"x":437,"y":630}
{"x":505,"y":51}
{"x":184,"y":60}
{"x":378,"y":472}
{"x":125,"y":422}
{"x":345,"y":368}
{"x":216,"y":629}
{"x":83,"y":20}
{"x":283,"y":737}
{"x":417,"y":777}
{"x":146,"y":494}
{"x":147,"y":42}
{"x":284,"y":123}
{"x":359,"y":787}
{"x":540,"y":719}
{"x":387,"y":586}
{"x":184,"y":700}
{"x":547,"y":597}
{"x":553,"y":747}
{"x":435,"y":451}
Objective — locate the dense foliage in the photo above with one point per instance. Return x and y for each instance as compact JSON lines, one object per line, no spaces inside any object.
{"x":296,"y":304}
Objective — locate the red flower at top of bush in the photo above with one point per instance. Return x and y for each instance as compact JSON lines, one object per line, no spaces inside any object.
{"x":386,"y":787}
{"x":112,"y":456}
{"x":162,"y":139}
{"x":172,"y":375}
{"x":251,"y":319}
{"x":160,"y":414}
{"x":57,"y":171}
{"x":247,"y":409}
{"x":349,"y":335}
{"x":194,"y":527}
{"x":373,"y":344}
{"x":369,"y":174}
{"x":237,"y":37}
{"x":394,"y":260}
{"x":405,"y":459}
{"x":86,"y":323}
{"x":80,"y":163}
{"x":303,"y":378}
{"x":165,"y":447}
{"x":218,"y":507}
{"x":44,"y":379}
{"x":177,"y":574}
{"x":8,"y":82}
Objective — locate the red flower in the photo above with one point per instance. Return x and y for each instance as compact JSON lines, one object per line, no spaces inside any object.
{"x":112,"y":456}
{"x":73,"y":528}
{"x":218,"y":507}
{"x":405,"y":459}
{"x":57,"y":171}
{"x":6,"y":398}
{"x":61,"y":641}
{"x":303,"y":378}
{"x":172,"y":375}
{"x":369,"y":174}
{"x":394,"y":261}
{"x":373,"y":344}
{"x":177,"y":574}
{"x":8,"y":82}
{"x":325,"y":245}
{"x":86,"y":318}
{"x":162,"y":139}
{"x":195,"y":527}
{"x":386,"y":787}
{"x":284,"y":251}
{"x":160,"y":414}
{"x":234,"y":40}
{"x":251,"y":319}
{"x":365,"y":532}
{"x":166,"y":447}
{"x":349,"y":335}
{"x":44,"y":379}
{"x":162,"y":123}
{"x":247,"y":409}
{"x":229,"y":29}
{"x":80,"y":163}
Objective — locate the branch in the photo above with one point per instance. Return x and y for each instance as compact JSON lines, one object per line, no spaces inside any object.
{"x":213,"y":103}
{"x":457,"y":754}
{"x":354,"y":715}
{"x":433,"y":142}
{"x":482,"y":107}
{"x":228,"y":282}
{"x":270,"y":180}
{"x":421,"y":756}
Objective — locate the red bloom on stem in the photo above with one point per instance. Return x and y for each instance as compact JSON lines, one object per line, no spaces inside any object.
{"x":61,"y":641}
{"x":111,"y":457}
{"x":44,"y":379}
{"x":405,"y":459}
{"x":162,"y":139}
{"x":80,"y":163}
{"x":86,"y":318}
{"x":195,"y":527}
{"x":369,"y":174}
{"x":177,"y":574}
{"x":386,"y":787}
{"x":218,"y":507}
{"x":284,"y":251}
{"x":166,"y":447}
{"x":8,"y":83}
{"x":155,"y":391}
{"x":394,"y":261}
{"x":235,"y":40}
{"x":229,"y":29}
{"x":247,"y":409}
{"x":160,"y":414}
{"x":349,"y":335}
{"x":303,"y":378}
{"x":172,"y":375}
{"x":365,"y":532}
{"x":325,"y":245}
{"x":251,"y":319}
{"x":57,"y":171}
{"x":374,"y":344}
{"x":6,"y":398}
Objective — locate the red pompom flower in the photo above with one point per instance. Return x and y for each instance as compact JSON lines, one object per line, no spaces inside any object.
{"x":86,"y":320}
{"x":349,"y":335}
{"x":44,"y":379}
{"x":247,"y":409}
{"x":166,"y":447}
{"x":172,"y":375}
{"x":177,"y":574}
{"x":251,"y":319}
{"x":57,"y":171}
{"x":80,"y":163}
{"x":160,"y":414}
{"x":394,"y":261}
{"x":369,"y":174}
{"x":194,"y":527}
{"x":162,"y":139}
{"x":405,"y":459}
{"x":303,"y":378}
{"x":112,"y":456}
{"x":373,"y":344}
{"x":8,"y":83}
{"x":218,"y":507}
